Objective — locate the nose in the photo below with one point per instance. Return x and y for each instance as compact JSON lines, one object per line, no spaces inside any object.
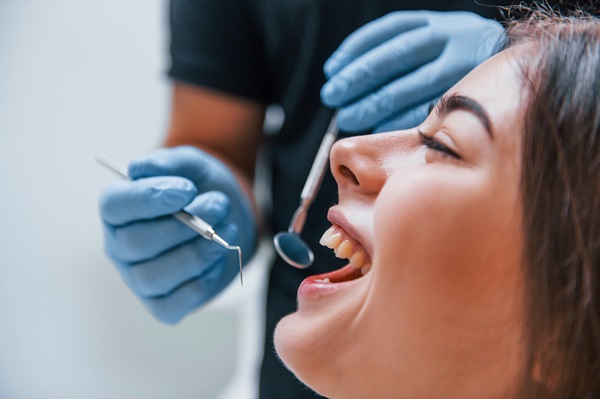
{"x":362,"y":164}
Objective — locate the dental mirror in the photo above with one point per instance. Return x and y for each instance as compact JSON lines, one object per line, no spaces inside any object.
{"x":289,"y":245}
{"x":292,"y":248}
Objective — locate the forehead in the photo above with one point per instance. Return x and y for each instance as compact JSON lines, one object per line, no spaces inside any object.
{"x":497,"y":86}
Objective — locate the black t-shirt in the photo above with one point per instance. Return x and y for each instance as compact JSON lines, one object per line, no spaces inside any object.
{"x":273,"y":51}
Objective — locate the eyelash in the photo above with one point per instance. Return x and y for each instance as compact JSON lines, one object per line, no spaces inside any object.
{"x":433,"y":144}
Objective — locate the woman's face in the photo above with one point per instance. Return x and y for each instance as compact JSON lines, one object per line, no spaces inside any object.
{"x":433,"y":217}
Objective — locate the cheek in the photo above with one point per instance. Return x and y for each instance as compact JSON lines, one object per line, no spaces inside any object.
{"x":447,"y":258}
{"x":451,"y":218}
{"x":418,"y":215}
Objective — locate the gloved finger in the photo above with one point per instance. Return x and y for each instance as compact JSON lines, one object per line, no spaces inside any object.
{"x":205,"y":171}
{"x":405,"y":120}
{"x":147,"y":239}
{"x":404,"y":93}
{"x":162,"y":275}
{"x":392,"y":59}
{"x":170,"y":309}
{"x":370,"y":36}
{"x":189,"y":296}
{"x":127,"y":201}
{"x":185,"y":161}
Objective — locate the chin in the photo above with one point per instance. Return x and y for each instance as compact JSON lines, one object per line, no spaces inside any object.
{"x":284,"y":345}
{"x":294,"y":347}
{"x":302,"y":351}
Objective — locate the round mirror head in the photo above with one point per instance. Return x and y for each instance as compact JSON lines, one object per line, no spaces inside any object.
{"x":293,"y":249}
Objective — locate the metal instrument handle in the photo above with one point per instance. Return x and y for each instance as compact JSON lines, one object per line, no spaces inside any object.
{"x":317,"y":171}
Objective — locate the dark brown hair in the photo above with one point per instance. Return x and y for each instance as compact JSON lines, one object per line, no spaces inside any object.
{"x":561,"y":202}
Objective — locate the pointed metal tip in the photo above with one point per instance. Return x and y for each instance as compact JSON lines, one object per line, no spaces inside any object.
{"x":239,"y":250}
{"x":224,"y":243}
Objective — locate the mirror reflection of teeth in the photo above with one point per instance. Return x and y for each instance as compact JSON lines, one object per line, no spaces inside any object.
{"x":345,"y":247}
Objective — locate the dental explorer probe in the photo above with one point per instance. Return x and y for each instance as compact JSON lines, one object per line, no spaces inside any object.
{"x":193,"y":222}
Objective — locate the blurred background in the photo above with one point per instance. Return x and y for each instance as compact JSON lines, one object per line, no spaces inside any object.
{"x":79,"y":77}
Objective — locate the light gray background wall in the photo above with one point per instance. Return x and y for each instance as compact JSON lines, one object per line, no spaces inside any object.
{"x":79,"y":77}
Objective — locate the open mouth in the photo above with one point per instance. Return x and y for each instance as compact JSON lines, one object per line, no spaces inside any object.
{"x":345,"y":247}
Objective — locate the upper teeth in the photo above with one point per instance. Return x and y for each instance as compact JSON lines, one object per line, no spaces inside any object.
{"x":346,"y":248}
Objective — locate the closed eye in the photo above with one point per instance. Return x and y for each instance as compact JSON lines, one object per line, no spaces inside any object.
{"x":431,"y":143}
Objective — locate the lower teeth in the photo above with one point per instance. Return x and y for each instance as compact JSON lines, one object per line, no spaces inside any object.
{"x":365,"y":269}
{"x":326,"y":280}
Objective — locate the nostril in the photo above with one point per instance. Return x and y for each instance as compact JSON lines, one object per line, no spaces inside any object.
{"x":346,"y":172}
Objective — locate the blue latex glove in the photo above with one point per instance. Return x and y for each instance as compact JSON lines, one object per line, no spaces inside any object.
{"x":385,"y":75}
{"x":167,"y":265}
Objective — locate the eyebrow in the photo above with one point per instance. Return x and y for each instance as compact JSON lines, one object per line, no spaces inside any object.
{"x":448,"y":104}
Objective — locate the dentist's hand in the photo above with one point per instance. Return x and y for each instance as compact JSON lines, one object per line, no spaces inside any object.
{"x":385,"y":75}
{"x":167,"y":265}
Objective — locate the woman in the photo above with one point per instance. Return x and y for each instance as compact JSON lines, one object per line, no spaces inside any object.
{"x":473,"y":240}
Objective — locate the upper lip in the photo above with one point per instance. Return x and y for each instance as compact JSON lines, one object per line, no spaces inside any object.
{"x":337,"y":217}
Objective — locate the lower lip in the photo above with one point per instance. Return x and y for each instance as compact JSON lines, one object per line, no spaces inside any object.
{"x":314,"y":286}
